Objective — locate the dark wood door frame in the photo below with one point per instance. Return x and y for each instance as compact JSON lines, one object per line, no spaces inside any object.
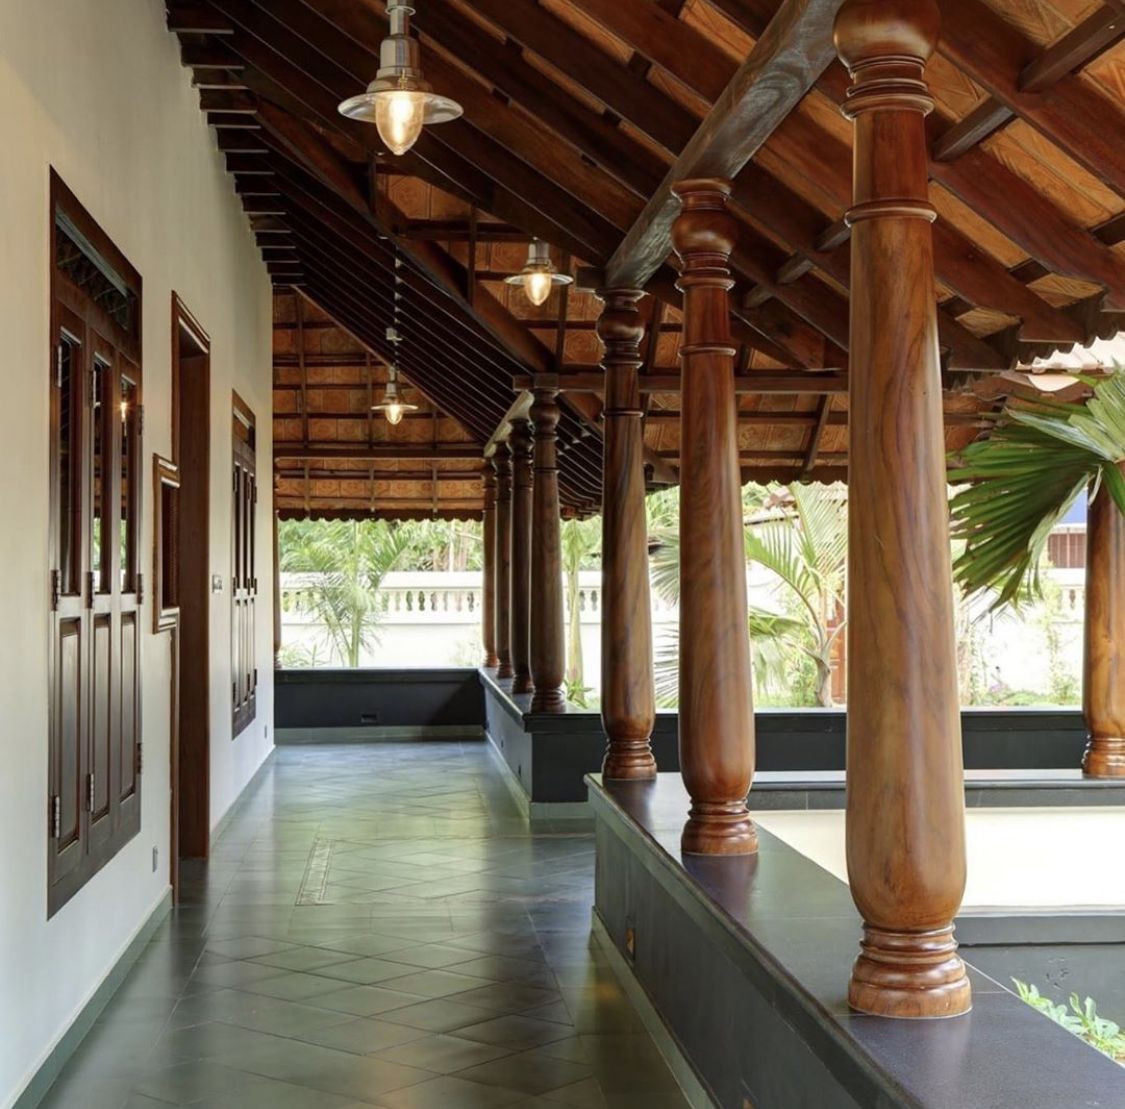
{"x":191,"y":730}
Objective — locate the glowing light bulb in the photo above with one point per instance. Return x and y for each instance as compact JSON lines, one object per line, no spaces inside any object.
{"x":538,"y":287}
{"x":394,"y":411}
{"x":399,"y":116}
{"x":124,"y":410}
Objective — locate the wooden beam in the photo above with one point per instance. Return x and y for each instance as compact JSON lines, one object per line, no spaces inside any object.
{"x":990,"y":115}
{"x":407,"y":452}
{"x":213,"y":56}
{"x":786,"y":61}
{"x":195,"y":19}
{"x":756,"y":382}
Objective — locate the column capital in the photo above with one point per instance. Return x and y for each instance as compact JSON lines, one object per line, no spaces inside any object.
{"x":488,"y":480}
{"x":704,"y":233}
{"x":545,"y":413}
{"x":619,"y":324}
{"x":885,"y":45}
{"x":502,"y":463}
{"x":869,"y":31}
{"x":520,"y":440}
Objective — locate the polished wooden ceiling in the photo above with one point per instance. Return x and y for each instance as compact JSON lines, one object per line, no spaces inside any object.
{"x":575,"y":111}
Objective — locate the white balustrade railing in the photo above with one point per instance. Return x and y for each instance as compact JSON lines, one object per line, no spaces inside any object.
{"x":438,"y":598}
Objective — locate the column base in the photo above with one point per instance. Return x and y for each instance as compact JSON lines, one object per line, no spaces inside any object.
{"x":548,"y":700}
{"x":915,"y":975}
{"x":1104,"y":758}
{"x":521,"y":683}
{"x":628,"y":760}
{"x":491,"y":662}
{"x":504,"y":670}
{"x":719,"y":828}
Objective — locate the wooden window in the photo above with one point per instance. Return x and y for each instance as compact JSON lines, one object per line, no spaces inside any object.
{"x":244,"y":585}
{"x":93,"y":806}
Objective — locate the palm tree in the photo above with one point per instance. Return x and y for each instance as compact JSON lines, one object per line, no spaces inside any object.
{"x":801,"y":536}
{"x":581,"y":539}
{"x":345,"y":560}
{"x":1023,"y":479}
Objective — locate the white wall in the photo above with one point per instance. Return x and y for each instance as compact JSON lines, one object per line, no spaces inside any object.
{"x":95,"y":88}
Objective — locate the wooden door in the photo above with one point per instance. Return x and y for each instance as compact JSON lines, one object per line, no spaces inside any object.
{"x":97,"y":418}
{"x":244,"y":584}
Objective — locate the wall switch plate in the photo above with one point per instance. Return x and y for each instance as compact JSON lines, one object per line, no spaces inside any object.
{"x":216,"y":583}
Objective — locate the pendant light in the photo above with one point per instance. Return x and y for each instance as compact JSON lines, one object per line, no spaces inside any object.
{"x":539,"y":276}
{"x":392,"y":406}
{"x":400,"y":100}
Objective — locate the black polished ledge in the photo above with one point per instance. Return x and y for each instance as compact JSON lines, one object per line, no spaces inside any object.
{"x":746,"y":961}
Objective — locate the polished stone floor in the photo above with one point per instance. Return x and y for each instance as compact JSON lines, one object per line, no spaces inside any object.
{"x":376,"y":927}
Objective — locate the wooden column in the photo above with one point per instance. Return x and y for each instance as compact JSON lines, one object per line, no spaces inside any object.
{"x":716,"y":709}
{"x":520,"y":610}
{"x":488,"y":568}
{"x":502,"y":462}
{"x":905,"y":808}
{"x":548,"y":648}
{"x":1103,"y":685}
{"x":628,"y":696}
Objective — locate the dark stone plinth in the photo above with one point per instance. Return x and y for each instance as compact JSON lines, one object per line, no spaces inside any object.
{"x":306,"y":701}
{"x":800,"y":752}
{"x":747,"y":961}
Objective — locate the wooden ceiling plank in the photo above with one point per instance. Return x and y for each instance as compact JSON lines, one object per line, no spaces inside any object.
{"x":1075,"y":117}
{"x":994,"y":192}
{"x":1096,"y":34}
{"x":1080,"y":46}
{"x":784,"y":64}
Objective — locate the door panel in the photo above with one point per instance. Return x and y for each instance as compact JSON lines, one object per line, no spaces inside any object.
{"x":101,"y":726}
{"x":129,"y":732}
{"x":68,"y":741}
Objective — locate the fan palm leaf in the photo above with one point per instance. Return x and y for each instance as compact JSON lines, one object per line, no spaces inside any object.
{"x":1021,"y":481}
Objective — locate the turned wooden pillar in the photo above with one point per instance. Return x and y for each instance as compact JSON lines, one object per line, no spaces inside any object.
{"x":520,"y":610}
{"x":716,"y":709}
{"x":488,"y":567}
{"x":905,"y":807}
{"x":502,"y":462}
{"x":548,"y":648}
{"x":628,"y":696}
{"x":1103,"y":682}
